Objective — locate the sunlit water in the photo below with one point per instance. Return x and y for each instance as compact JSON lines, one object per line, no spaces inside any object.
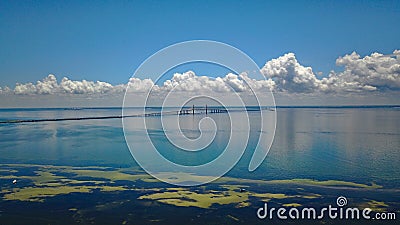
{"x":334,"y":143}
{"x":348,"y":144}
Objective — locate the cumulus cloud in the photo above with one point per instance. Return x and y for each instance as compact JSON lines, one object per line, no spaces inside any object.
{"x":85,"y":87}
{"x":376,"y":72}
{"x":189,"y":81}
{"x":289,"y":75}
{"x":138,"y":85}
{"x":184,"y":82}
{"x":371,"y":73}
{"x":285,"y":74}
{"x":5,"y":90}
{"x":49,"y":85}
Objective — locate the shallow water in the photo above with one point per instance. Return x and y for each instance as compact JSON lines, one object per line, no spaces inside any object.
{"x":359,"y":145}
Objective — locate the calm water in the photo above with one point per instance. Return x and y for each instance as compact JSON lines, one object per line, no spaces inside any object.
{"x":347,"y":144}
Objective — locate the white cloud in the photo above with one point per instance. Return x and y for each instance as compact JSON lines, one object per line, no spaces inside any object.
{"x":285,"y":74}
{"x":259,"y":85}
{"x":137,"y":85}
{"x":289,"y":75}
{"x":84,"y":87}
{"x":376,"y":72}
{"x":5,"y":90}
{"x":189,"y":81}
{"x":25,"y":89}
{"x":49,"y":85}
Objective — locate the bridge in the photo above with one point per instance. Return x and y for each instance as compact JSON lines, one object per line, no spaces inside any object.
{"x":201,"y":110}
{"x":183,"y":111}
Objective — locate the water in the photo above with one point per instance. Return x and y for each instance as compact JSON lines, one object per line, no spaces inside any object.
{"x":359,"y":145}
{"x":344,"y":144}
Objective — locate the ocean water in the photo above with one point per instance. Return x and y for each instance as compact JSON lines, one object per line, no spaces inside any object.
{"x":358,"y":145}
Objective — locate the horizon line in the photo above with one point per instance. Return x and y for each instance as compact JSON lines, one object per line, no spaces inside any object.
{"x":250,"y":106}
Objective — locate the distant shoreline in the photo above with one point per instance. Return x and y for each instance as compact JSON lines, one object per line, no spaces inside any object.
{"x":155,"y":107}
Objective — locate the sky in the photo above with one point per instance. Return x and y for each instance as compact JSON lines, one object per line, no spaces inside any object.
{"x":107,"y":40}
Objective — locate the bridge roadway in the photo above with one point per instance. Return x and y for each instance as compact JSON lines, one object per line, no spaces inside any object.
{"x":184,"y":111}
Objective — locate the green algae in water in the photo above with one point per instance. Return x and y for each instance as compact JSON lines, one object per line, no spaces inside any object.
{"x":50,"y":181}
{"x":200,"y":199}
{"x":291,"y":205}
{"x":376,"y":206}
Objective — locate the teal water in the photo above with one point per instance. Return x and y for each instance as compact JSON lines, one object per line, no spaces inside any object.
{"x":360,"y":145}
{"x":332,"y":143}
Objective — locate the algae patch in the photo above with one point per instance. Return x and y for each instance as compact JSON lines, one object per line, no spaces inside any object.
{"x":230,"y":194}
{"x":114,"y":175}
{"x":41,"y":182}
{"x":46,"y":181}
{"x":376,"y":206}
{"x":38,"y":194}
{"x":304,"y":182}
{"x":291,"y":205}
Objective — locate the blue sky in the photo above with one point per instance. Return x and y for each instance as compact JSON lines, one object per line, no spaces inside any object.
{"x":107,"y":40}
